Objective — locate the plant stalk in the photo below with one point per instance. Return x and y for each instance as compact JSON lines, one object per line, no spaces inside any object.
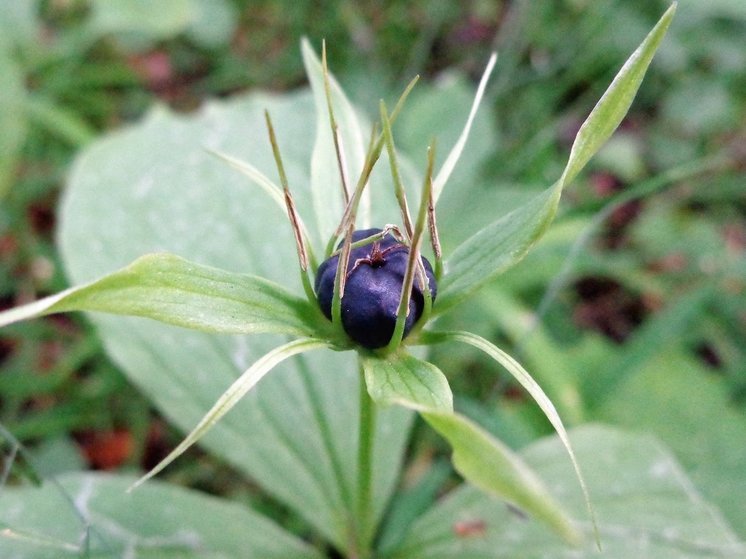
{"x":366,"y":434}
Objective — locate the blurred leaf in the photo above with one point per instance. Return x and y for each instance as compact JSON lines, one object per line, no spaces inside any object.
{"x":13,"y":121}
{"x":548,"y":362}
{"x":423,"y":119}
{"x":152,"y":187}
{"x":18,"y":23}
{"x":503,"y":243}
{"x":91,"y":515}
{"x":713,"y":8}
{"x":59,"y":120}
{"x":56,"y":456}
{"x":454,"y":155}
{"x":666,"y":228}
{"x":214,"y":23}
{"x":175,"y":291}
{"x":154,"y":20}
{"x":646,"y":508}
{"x":662,"y":329}
{"x":716,"y":111}
{"x":688,"y":407}
{"x":623,"y":157}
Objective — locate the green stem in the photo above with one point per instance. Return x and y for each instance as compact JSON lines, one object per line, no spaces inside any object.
{"x":367,"y":429}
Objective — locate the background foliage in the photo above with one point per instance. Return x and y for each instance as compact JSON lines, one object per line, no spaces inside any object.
{"x":630,"y":312}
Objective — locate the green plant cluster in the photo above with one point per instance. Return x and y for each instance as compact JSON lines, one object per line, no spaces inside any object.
{"x":630,"y":311}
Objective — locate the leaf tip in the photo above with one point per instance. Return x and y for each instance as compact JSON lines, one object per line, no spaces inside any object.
{"x":668,"y":14}
{"x":137,"y":484}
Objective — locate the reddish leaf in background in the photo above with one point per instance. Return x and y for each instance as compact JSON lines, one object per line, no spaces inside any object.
{"x":106,"y":450}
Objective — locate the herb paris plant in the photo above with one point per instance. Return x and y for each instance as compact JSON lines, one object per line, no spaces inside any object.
{"x":172,"y":290}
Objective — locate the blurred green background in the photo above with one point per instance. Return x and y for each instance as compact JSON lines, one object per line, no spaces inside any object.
{"x":631,"y":311}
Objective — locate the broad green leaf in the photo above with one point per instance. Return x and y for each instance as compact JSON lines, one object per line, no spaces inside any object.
{"x":502,"y":244}
{"x":240,"y":387}
{"x":536,"y":392}
{"x":256,"y":176}
{"x":411,"y":502}
{"x":56,"y":456}
{"x":655,"y":388}
{"x":490,"y":465}
{"x":400,"y":378}
{"x":91,"y":515}
{"x":646,"y":505}
{"x":170,"y":289}
{"x":262,"y":181}
{"x":154,"y":187}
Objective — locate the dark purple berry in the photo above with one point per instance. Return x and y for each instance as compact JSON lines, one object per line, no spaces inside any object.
{"x":375,"y":274}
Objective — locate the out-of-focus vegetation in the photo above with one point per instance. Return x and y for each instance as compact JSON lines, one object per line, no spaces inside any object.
{"x":632,"y":311}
